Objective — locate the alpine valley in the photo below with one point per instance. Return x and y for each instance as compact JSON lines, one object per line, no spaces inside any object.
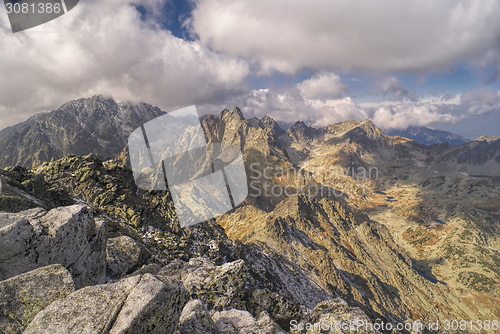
{"x":342,"y":225}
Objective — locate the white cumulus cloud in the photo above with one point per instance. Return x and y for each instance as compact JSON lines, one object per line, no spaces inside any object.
{"x":385,"y":35}
{"x":294,"y":104}
{"x":445,"y":109}
{"x":104,"y":47}
{"x":481,"y":101}
{"x":403,"y":115}
{"x":322,"y":86}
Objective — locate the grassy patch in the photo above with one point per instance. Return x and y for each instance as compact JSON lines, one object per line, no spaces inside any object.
{"x":453,"y":251}
{"x":420,"y":241}
{"x":476,"y":281}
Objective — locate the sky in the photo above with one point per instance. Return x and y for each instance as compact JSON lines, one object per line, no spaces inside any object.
{"x":399,"y":63}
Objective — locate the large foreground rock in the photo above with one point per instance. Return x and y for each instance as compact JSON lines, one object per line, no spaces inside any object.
{"x":231,"y":286}
{"x":195,"y":319}
{"x":219,"y":287}
{"x":136,"y":304}
{"x":334,"y":316}
{"x":154,"y":306}
{"x":71,"y":236}
{"x":242,"y":322}
{"x":89,"y":310}
{"x":23,"y":296}
{"x":123,"y":255}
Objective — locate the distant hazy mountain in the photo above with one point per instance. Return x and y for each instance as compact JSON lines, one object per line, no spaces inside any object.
{"x":427,"y":136}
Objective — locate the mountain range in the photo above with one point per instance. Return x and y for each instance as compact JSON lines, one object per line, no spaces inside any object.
{"x":101,"y":126}
{"x":341,"y":222}
{"x":96,"y":125}
{"x":427,"y":136}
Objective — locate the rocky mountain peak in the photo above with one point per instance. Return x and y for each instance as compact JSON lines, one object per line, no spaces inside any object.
{"x":368,"y":124}
{"x":271,"y":124}
{"x":299,"y":125}
{"x":369,"y":129}
{"x":487,"y":138}
{"x":269,"y":121}
{"x":97,"y":125}
{"x":231,"y":115}
{"x":87,"y":107}
{"x":300,"y":130}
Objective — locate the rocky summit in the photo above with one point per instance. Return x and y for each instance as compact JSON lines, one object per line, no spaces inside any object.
{"x":96,"y":125}
{"x":342,"y":225}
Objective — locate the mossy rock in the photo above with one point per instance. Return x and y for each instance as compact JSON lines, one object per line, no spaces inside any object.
{"x":23,"y":296}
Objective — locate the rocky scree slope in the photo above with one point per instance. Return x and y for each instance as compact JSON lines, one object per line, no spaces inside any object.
{"x":247,"y":278}
{"x":349,"y":255}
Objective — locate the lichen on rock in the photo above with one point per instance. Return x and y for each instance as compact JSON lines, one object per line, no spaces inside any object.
{"x":23,"y":296}
{"x":123,"y":255}
{"x":72,"y":236}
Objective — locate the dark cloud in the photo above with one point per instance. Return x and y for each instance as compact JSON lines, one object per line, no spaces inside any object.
{"x":393,"y":88}
{"x":447,"y":97}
